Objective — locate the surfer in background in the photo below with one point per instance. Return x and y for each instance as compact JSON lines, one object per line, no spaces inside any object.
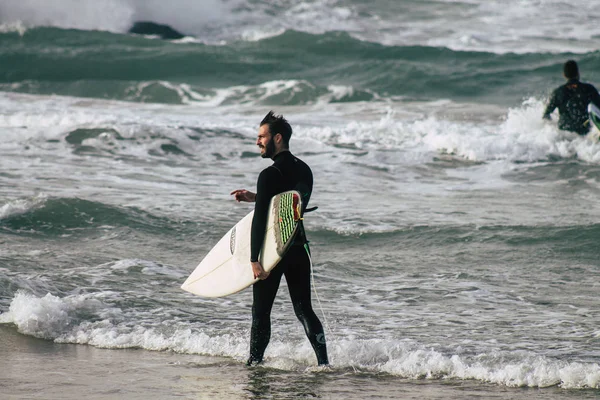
{"x":286,"y":173}
{"x":572,"y":100}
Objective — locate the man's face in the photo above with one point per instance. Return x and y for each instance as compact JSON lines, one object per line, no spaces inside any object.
{"x":265,"y":142}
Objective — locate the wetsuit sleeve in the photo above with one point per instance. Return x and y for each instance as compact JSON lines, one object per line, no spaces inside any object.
{"x":265,"y":190}
{"x":552,"y":104}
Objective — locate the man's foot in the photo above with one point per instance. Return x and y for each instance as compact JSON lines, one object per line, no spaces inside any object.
{"x":252,"y":362}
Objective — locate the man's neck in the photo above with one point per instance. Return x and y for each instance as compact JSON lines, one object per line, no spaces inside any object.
{"x":279,"y":152}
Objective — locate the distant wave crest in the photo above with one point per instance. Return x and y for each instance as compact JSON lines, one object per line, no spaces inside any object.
{"x":311,"y":67}
{"x":55,"y":216}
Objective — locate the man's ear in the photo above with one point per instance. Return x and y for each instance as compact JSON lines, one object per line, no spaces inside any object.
{"x":278,"y":138}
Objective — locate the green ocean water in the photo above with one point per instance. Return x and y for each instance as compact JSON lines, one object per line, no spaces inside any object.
{"x":115,"y":66}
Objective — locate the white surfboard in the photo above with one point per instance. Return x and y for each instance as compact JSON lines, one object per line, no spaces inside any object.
{"x":594,"y":115}
{"x":226,"y":268}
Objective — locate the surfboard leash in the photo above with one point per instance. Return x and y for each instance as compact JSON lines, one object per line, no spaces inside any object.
{"x":312,"y":278}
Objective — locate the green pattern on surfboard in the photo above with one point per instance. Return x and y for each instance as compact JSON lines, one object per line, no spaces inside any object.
{"x":286,"y":216}
{"x":286,"y":221}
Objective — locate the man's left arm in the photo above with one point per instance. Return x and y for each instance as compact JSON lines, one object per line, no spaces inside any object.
{"x":264,"y":192}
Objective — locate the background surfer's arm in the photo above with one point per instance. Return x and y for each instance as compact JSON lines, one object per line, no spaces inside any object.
{"x":551,"y":106}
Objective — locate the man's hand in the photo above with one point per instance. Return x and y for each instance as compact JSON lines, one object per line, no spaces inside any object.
{"x":259,"y":271}
{"x":244,"y":195}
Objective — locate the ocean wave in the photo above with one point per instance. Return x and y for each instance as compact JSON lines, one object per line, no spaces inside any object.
{"x":87,"y":319}
{"x":45,"y":215}
{"x":275,"y":93}
{"x":18,"y":207}
{"x":473,"y":26}
{"x":522,"y":136}
{"x":106,"y":65}
{"x":567,"y":239}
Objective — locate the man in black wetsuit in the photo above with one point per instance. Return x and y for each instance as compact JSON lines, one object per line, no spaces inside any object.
{"x":286,"y":173}
{"x":572,"y":100}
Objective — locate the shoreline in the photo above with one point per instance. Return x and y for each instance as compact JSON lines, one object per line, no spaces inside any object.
{"x":37,"y":368}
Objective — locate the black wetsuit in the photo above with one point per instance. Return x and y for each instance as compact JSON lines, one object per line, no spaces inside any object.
{"x":287,"y":173}
{"x":572,"y":100}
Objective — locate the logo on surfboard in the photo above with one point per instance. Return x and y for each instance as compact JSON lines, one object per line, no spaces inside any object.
{"x":232,"y":241}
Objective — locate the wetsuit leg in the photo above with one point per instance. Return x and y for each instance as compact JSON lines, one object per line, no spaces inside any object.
{"x":297,"y":274}
{"x":263,"y":293}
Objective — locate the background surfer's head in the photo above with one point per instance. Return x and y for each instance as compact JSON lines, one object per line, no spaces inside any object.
{"x":570,"y":70}
{"x":273,"y":135}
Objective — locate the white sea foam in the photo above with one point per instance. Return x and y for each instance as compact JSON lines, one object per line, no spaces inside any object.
{"x":50,"y":317}
{"x":110,"y":15}
{"x":260,"y":33}
{"x":281,"y":92}
{"x":21,"y":206}
{"x":521,"y":136}
{"x":26,"y":117}
{"x":65,"y":320}
{"x":533,"y":138}
{"x":417,"y":131}
{"x":15,"y":26}
{"x":147,"y":268}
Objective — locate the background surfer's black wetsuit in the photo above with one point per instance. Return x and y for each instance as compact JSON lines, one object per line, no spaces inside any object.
{"x":572,"y":100}
{"x":286,"y":173}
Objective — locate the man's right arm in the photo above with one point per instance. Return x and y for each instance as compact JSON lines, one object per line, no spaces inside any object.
{"x":244,"y":195}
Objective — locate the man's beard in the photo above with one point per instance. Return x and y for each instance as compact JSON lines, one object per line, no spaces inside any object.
{"x":269,"y":150}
